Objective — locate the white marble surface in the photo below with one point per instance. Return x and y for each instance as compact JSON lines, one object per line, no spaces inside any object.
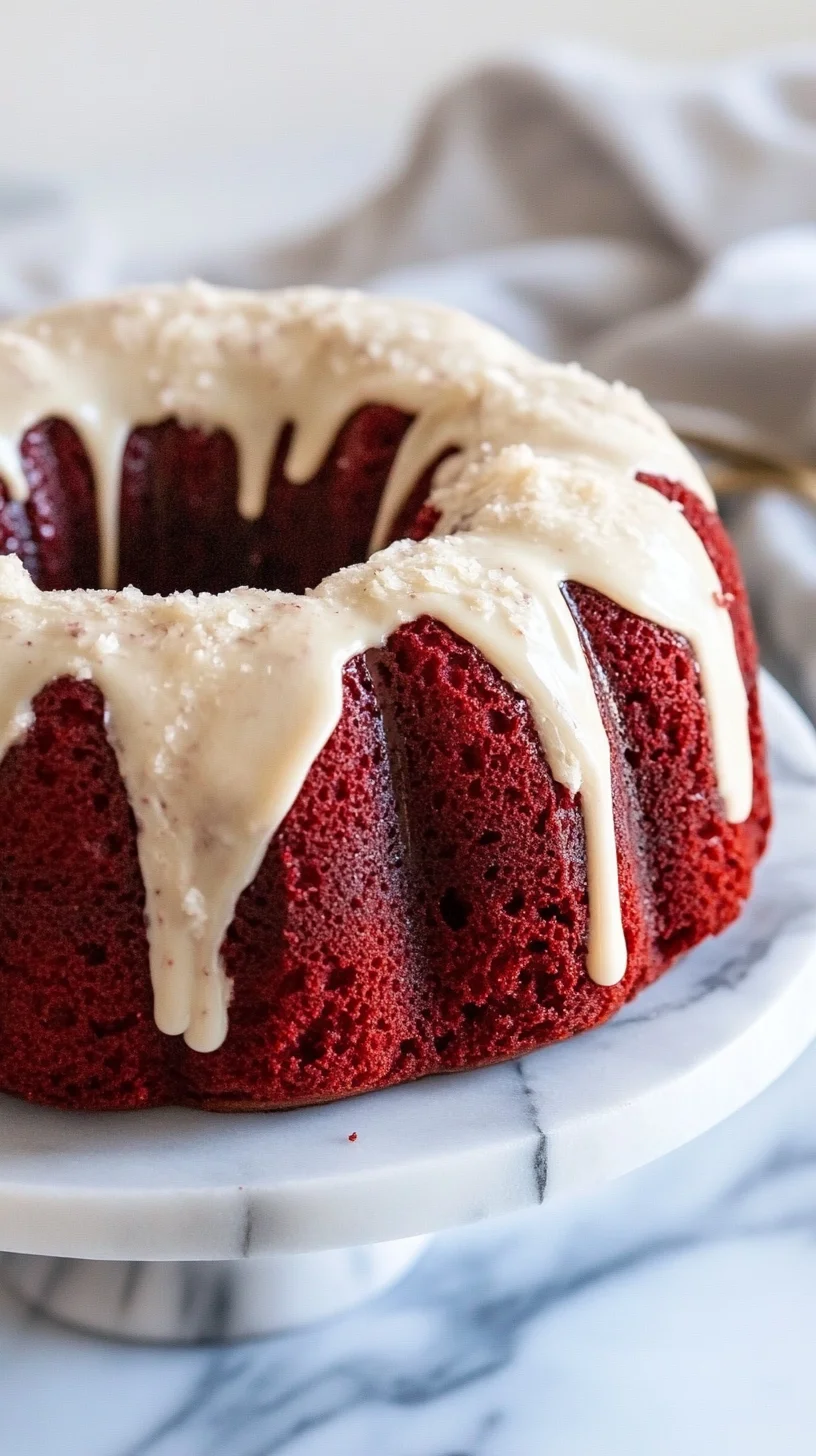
{"x":666,"y":1313}
{"x":176,"y":1184}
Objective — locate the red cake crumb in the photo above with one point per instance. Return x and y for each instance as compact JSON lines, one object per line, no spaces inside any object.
{"x":423,"y":906}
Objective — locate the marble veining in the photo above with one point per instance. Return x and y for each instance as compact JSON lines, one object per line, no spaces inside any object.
{"x":540,"y":1155}
{"x":507,"y":1339}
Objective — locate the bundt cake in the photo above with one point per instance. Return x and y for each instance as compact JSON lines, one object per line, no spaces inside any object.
{"x":288,"y":812}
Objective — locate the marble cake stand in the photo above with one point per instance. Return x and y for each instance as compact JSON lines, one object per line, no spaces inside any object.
{"x":179,"y":1225}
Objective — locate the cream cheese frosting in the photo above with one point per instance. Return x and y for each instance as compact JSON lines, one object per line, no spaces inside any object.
{"x":218,"y":706}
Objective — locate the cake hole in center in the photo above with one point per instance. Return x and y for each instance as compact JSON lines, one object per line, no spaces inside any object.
{"x":180,"y":527}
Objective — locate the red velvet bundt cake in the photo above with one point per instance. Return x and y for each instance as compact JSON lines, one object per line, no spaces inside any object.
{"x":286,"y":812}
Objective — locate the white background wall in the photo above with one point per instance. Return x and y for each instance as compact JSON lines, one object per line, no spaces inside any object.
{"x":191,"y":126}
{"x":105,"y":84}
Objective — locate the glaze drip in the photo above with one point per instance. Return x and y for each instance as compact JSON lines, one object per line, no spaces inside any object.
{"x":218,"y":706}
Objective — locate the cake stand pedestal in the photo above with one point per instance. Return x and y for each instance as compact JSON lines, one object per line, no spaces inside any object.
{"x":219,"y":1299}
{"x":183,"y":1225}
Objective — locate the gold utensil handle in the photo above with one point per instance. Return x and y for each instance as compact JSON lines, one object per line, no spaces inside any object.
{"x":733,"y":470}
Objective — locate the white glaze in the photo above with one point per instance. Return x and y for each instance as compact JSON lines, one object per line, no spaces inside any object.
{"x":218,"y":706}
{"x":250,"y":362}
